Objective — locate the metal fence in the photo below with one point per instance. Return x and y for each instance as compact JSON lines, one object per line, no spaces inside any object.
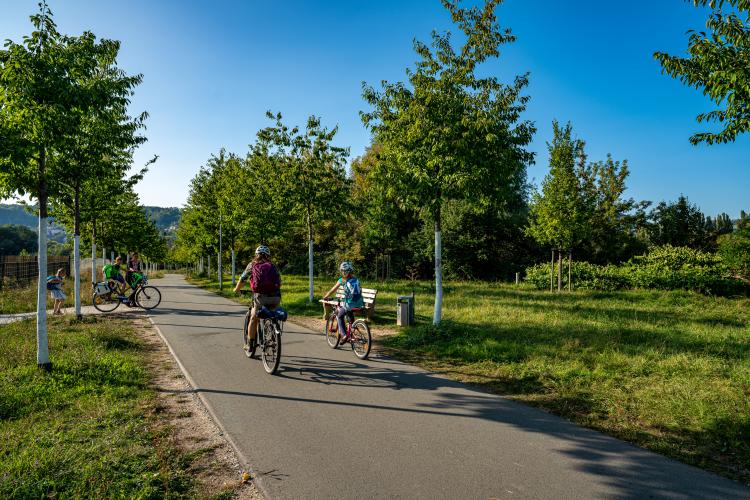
{"x":20,"y":270}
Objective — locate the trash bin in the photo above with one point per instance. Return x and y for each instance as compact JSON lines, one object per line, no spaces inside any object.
{"x":404,"y":310}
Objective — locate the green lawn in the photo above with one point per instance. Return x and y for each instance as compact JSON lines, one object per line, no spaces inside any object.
{"x":669,"y":371}
{"x":89,"y":428}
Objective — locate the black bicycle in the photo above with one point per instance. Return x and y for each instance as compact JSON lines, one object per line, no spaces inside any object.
{"x":268,"y":336}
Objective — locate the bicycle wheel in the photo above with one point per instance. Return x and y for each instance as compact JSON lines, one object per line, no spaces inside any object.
{"x":271,"y":347}
{"x":105,"y":302}
{"x":332,"y":331}
{"x":148,"y":297}
{"x":361,"y":339}
{"x":251,"y":343}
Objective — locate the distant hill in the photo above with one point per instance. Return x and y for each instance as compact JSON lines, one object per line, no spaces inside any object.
{"x":166,"y":219}
{"x":18,"y":215}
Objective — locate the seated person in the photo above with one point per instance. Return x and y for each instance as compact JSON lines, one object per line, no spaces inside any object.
{"x":352,"y":297}
{"x":113,"y":276}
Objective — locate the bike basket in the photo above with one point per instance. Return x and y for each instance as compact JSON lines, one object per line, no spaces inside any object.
{"x":101,"y":288}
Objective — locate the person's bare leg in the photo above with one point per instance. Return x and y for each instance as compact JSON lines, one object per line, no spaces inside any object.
{"x":253,"y":328}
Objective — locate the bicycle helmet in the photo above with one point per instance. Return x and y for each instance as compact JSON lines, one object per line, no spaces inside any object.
{"x":263,"y":250}
{"x":346,"y":267}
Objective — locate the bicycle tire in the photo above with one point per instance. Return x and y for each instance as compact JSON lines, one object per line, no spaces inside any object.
{"x":271,"y":348}
{"x":152,"y":297}
{"x":332,"y":331}
{"x":104,"y":302}
{"x":253,"y":345}
{"x":361,"y":339}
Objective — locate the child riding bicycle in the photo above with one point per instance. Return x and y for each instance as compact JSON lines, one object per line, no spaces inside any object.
{"x":352,"y":297}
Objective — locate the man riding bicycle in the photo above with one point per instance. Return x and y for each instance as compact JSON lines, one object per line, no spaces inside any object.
{"x":352,"y":296}
{"x":265,"y":282}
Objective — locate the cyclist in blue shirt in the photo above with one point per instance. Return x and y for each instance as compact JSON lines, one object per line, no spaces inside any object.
{"x":352,"y":296}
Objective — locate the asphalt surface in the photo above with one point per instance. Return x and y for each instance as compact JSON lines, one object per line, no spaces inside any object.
{"x":330,"y":426}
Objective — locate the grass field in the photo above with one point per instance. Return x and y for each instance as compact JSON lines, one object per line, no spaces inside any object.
{"x":669,"y":371}
{"x":88,"y":429}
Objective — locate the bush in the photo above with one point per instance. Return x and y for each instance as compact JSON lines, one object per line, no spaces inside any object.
{"x":682,"y":268}
{"x":585,"y":276}
{"x":663,"y":268}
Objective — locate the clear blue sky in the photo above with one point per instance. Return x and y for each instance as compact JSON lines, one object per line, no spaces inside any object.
{"x":212,"y":69}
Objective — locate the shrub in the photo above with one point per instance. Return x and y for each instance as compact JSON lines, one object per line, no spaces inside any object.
{"x":682,"y":268}
{"x":585,"y":276}
{"x":663,"y":268}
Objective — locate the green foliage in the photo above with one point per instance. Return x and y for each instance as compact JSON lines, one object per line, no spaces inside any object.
{"x":734,"y":250}
{"x":679,"y":223}
{"x":451,"y":134}
{"x":14,"y":239}
{"x":586,"y":276}
{"x":662,"y":268}
{"x":681,"y":268}
{"x":717,"y":66}
{"x":559,"y":214}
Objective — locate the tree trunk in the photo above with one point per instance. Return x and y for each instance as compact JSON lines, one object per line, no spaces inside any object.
{"x":559,"y":270}
{"x":570,"y":270}
{"x":234,"y":269}
{"x":77,"y":250}
{"x":93,"y":252}
{"x":209,"y":267}
{"x":221,"y":271}
{"x":552,"y":272}
{"x":438,"y":312}
{"x":310,"y":257}
{"x":42,"y":347}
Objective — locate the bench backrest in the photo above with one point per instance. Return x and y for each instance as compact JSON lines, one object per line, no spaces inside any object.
{"x":368,"y":297}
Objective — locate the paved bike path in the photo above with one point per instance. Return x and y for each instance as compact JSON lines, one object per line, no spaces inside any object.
{"x":330,"y":426}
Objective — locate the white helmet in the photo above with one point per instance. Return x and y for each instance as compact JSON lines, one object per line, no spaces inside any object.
{"x":263,"y":250}
{"x":346,"y":267}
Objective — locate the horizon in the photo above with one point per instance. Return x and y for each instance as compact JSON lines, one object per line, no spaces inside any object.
{"x":211,"y":72}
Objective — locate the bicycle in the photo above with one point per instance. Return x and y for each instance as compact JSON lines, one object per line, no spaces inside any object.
{"x":268,"y":335}
{"x":107,"y":298}
{"x":357,"y":331}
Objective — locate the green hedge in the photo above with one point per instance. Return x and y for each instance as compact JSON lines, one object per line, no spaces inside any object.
{"x":663,"y":268}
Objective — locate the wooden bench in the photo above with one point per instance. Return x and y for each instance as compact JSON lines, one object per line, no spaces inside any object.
{"x":368,"y":296}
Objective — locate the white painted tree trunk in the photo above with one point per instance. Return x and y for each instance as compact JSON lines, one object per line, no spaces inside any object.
{"x":438,"y":313}
{"x":209,"y":266}
{"x":42,"y":347}
{"x":77,"y":271}
{"x":310,"y":268}
{"x":221,"y":271}
{"x":234,"y":270}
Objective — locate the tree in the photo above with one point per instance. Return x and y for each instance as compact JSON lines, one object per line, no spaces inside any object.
{"x":680,"y":224}
{"x":37,"y":96}
{"x":15,"y":239}
{"x":718,"y":65}
{"x":105,"y":130}
{"x":614,"y":221}
{"x":560,"y":214}
{"x":311,"y":172}
{"x":450,"y":134}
